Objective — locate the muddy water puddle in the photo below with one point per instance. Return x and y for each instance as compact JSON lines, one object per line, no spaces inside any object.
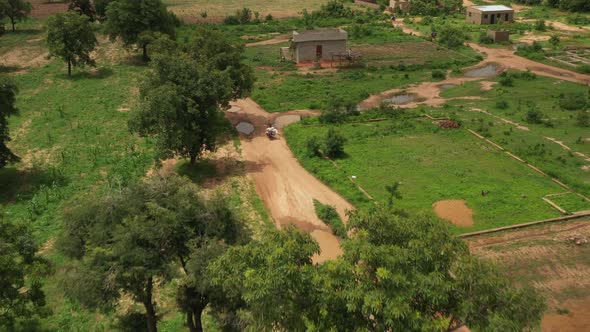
{"x":245,"y":128}
{"x":490,"y":70}
{"x":401,"y":99}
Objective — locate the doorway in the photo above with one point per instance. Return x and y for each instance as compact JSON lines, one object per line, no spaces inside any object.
{"x":318,"y":51}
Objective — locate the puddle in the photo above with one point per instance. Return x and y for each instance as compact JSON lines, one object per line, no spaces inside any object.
{"x":245,"y":128}
{"x":447,"y":86}
{"x":285,"y":120}
{"x":400,"y":99}
{"x":455,"y":211}
{"x":489,"y":70}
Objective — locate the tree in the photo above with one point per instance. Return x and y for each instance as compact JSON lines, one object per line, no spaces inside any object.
{"x":182,"y":96}
{"x":137,"y":22}
{"x":554,"y":41}
{"x":583,"y":119}
{"x":15,"y":10}
{"x":397,"y":273}
{"x":21,"y":296}
{"x":8,"y":91}
{"x":393,"y":191}
{"x":83,"y":7}
{"x":129,"y":240}
{"x":451,"y":37}
{"x":100,"y":7}
{"x":334,"y":144}
{"x":71,"y":38}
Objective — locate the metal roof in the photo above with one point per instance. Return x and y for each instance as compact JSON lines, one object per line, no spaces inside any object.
{"x":319,"y":35}
{"x":492,"y":8}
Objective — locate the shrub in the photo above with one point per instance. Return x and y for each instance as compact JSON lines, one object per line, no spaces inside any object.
{"x":438,"y":74}
{"x":533,"y":115}
{"x":451,"y":37}
{"x":540,"y":25}
{"x":484,"y":38}
{"x":334,"y":144}
{"x":501,"y":104}
{"x":506,"y":80}
{"x":578,"y":19}
{"x":313,"y":146}
{"x":584,"y":69}
{"x":573,"y":101}
{"x":583,"y":119}
{"x":330,"y":217}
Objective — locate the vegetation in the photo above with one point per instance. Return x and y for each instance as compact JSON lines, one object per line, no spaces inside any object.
{"x":330,"y":217}
{"x":15,"y":10}
{"x":397,"y":272}
{"x":71,"y":38}
{"x":8,"y":91}
{"x":84,"y":7}
{"x":182,"y":96}
{"x":139,"y":22}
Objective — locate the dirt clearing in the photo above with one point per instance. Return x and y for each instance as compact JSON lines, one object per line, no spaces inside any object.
{"x":455,"y":210}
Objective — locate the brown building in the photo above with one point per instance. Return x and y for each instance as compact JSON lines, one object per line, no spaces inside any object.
{"x":402,"y":6}
{"x":309,"y":45}
{"x":499,"y":36}
{"x":490,"y":14}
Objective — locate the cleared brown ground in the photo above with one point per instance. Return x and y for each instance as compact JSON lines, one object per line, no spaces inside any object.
{"x":547,"y":258}
{"x":409,"y":53}
{"x":44,"y":8}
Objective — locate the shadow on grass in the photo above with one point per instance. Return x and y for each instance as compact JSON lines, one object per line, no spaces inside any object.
{"x":9,"y":69}
{"x":15,"y":184}
{"x":98,"y":73}
{"x":199,"y":172}
{"x":209,"y":173}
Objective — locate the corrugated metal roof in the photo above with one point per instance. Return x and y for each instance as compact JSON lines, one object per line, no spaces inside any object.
{"x":319,"y":35}
{"x":492,"y":8}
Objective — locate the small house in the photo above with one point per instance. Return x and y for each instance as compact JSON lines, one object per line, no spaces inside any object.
{"x":499,"y":36}
{"x":320,"y":44}
{"x":490,"y":14}
{"x":399,"y":6}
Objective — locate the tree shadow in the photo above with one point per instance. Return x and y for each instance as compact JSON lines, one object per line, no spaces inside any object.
{"x":9,"y":69}
{"x":212,"y":172}
{"x":96,"y":73}
{"x":135,"y":60}
{"x":23,"y":184}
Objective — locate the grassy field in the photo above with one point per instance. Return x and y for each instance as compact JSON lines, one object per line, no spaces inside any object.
{"x":432,"y":165}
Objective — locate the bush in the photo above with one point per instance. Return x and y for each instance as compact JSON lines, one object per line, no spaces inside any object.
{"x":330,"y":217}
{"x":451,"y":37}
{"x":506,"y":80}
{"x":485,"y":39}
{"x":501,"y":104}
{"x":583,"y":119}
{"x":578,"y":19}
{"x":540,"y":25}
{"x":584,"y":69}
{"x":314,"y":147}
{"x":334,"y":144}
{"x":573,"y":101}
{"x":533,"y":115}
{"x":438,"y":74}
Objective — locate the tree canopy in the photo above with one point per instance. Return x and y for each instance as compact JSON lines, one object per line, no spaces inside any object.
{"x":70,"y":37}
{"x":139,"y":22}
{"x":131,"y":240}
{"x":8,"y":91}
{"x":182,"y":95}
{"x":100,"y":7}
{"x":21,"y":296}
{"x":397,"y":273}
{"x":15,"y":10}
{"x":83,"y":7}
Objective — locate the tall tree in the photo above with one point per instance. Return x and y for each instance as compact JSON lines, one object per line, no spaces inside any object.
{"x":397,"y":273}
{"x":15,"y":10}
{"x":83,"y":7}
{"x":21,"y":296}
{"x":71,"y":38}
{"x":183,"y":94}
{"x":8,"y":91}
{"x":136,"y":22}
{"x":100,"y":7}
{"x":128,"y":241}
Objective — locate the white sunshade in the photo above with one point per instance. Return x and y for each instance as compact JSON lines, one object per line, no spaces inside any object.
{"x":492,"y":8}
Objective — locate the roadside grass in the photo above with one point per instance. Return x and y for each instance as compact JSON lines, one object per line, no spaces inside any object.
{"x":532,"y":145}
{"x":432,"y":164}
{"x":330,"y":217}
{"x":571,"y":202}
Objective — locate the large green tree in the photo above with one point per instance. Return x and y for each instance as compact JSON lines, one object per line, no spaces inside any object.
{"x":129,"y":241}
{"x":397,"y":273}
{"x":188,"y":85}
{"x":83,"y":7}
{"x":8,"y":91}
{"x":21,"y":296}
{"x":71,"y":37}
{"x":15,"y":10}
{"x":100,"y":6}
{"x":138,"y":22}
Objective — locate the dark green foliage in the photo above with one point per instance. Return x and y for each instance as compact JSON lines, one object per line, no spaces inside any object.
{"x":554,"y":41}
{"x":330,"y":217}
{"x":573,"y":101}
{"x":397,"y":273}
{"x":484,"y":38}
{"x":8,"y":91}
{"x":71,"y":38}
{"x":540,"y":25}
{"x":15,"y":10}
{"x":182,"y":96}
{"x":435,"y":7}
{"x":314,"y":146}
{"x":451,"y":37}
{"x":21,"y":296}
{"x":242,"y":16}
{"x":139,"y":22}
{"x":506,"y":80}
{"x":438,"y":75}
{"x":502,"y":104}
{"x":583,"y":119}
{"x":83,"y":7}
{"x":534,"y":115}
{"x":334,"y":144}
{"x":578,"y":19}
{"x":146,"y":232}
{"x":337,"y":111}
{"x":100,"y":7}
{"x":335,"y":9}
{"x":584,"y":69}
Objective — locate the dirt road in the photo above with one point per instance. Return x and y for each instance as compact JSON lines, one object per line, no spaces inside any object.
{"x":286,"y":188}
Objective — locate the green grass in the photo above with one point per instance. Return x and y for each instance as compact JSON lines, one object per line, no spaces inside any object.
{"x":570,"y":202}
{"x":432,"y":165}
{"x":330,"y":217}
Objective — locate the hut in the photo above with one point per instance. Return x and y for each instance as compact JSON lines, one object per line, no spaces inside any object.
{"x":320,"y":44}
{"x":490,"y":14}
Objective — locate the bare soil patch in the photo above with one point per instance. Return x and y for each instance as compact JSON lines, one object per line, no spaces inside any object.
{"x":45,"y":9}
{"x":455,"y":211}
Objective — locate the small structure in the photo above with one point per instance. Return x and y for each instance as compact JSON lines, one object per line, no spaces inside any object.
{"x":399,"y":6}
{"x":490,"y":14}
{"x":320,"y":44}
{"x":499,"y":36}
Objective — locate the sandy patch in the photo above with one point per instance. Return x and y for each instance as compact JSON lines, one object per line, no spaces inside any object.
{"x":560,"y":143}
{"x":285,"y":120}
{"x":578,"y":318}
{"x":454,"y":210}
{"x":586,"y":168}
{"x":487,"y":85}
